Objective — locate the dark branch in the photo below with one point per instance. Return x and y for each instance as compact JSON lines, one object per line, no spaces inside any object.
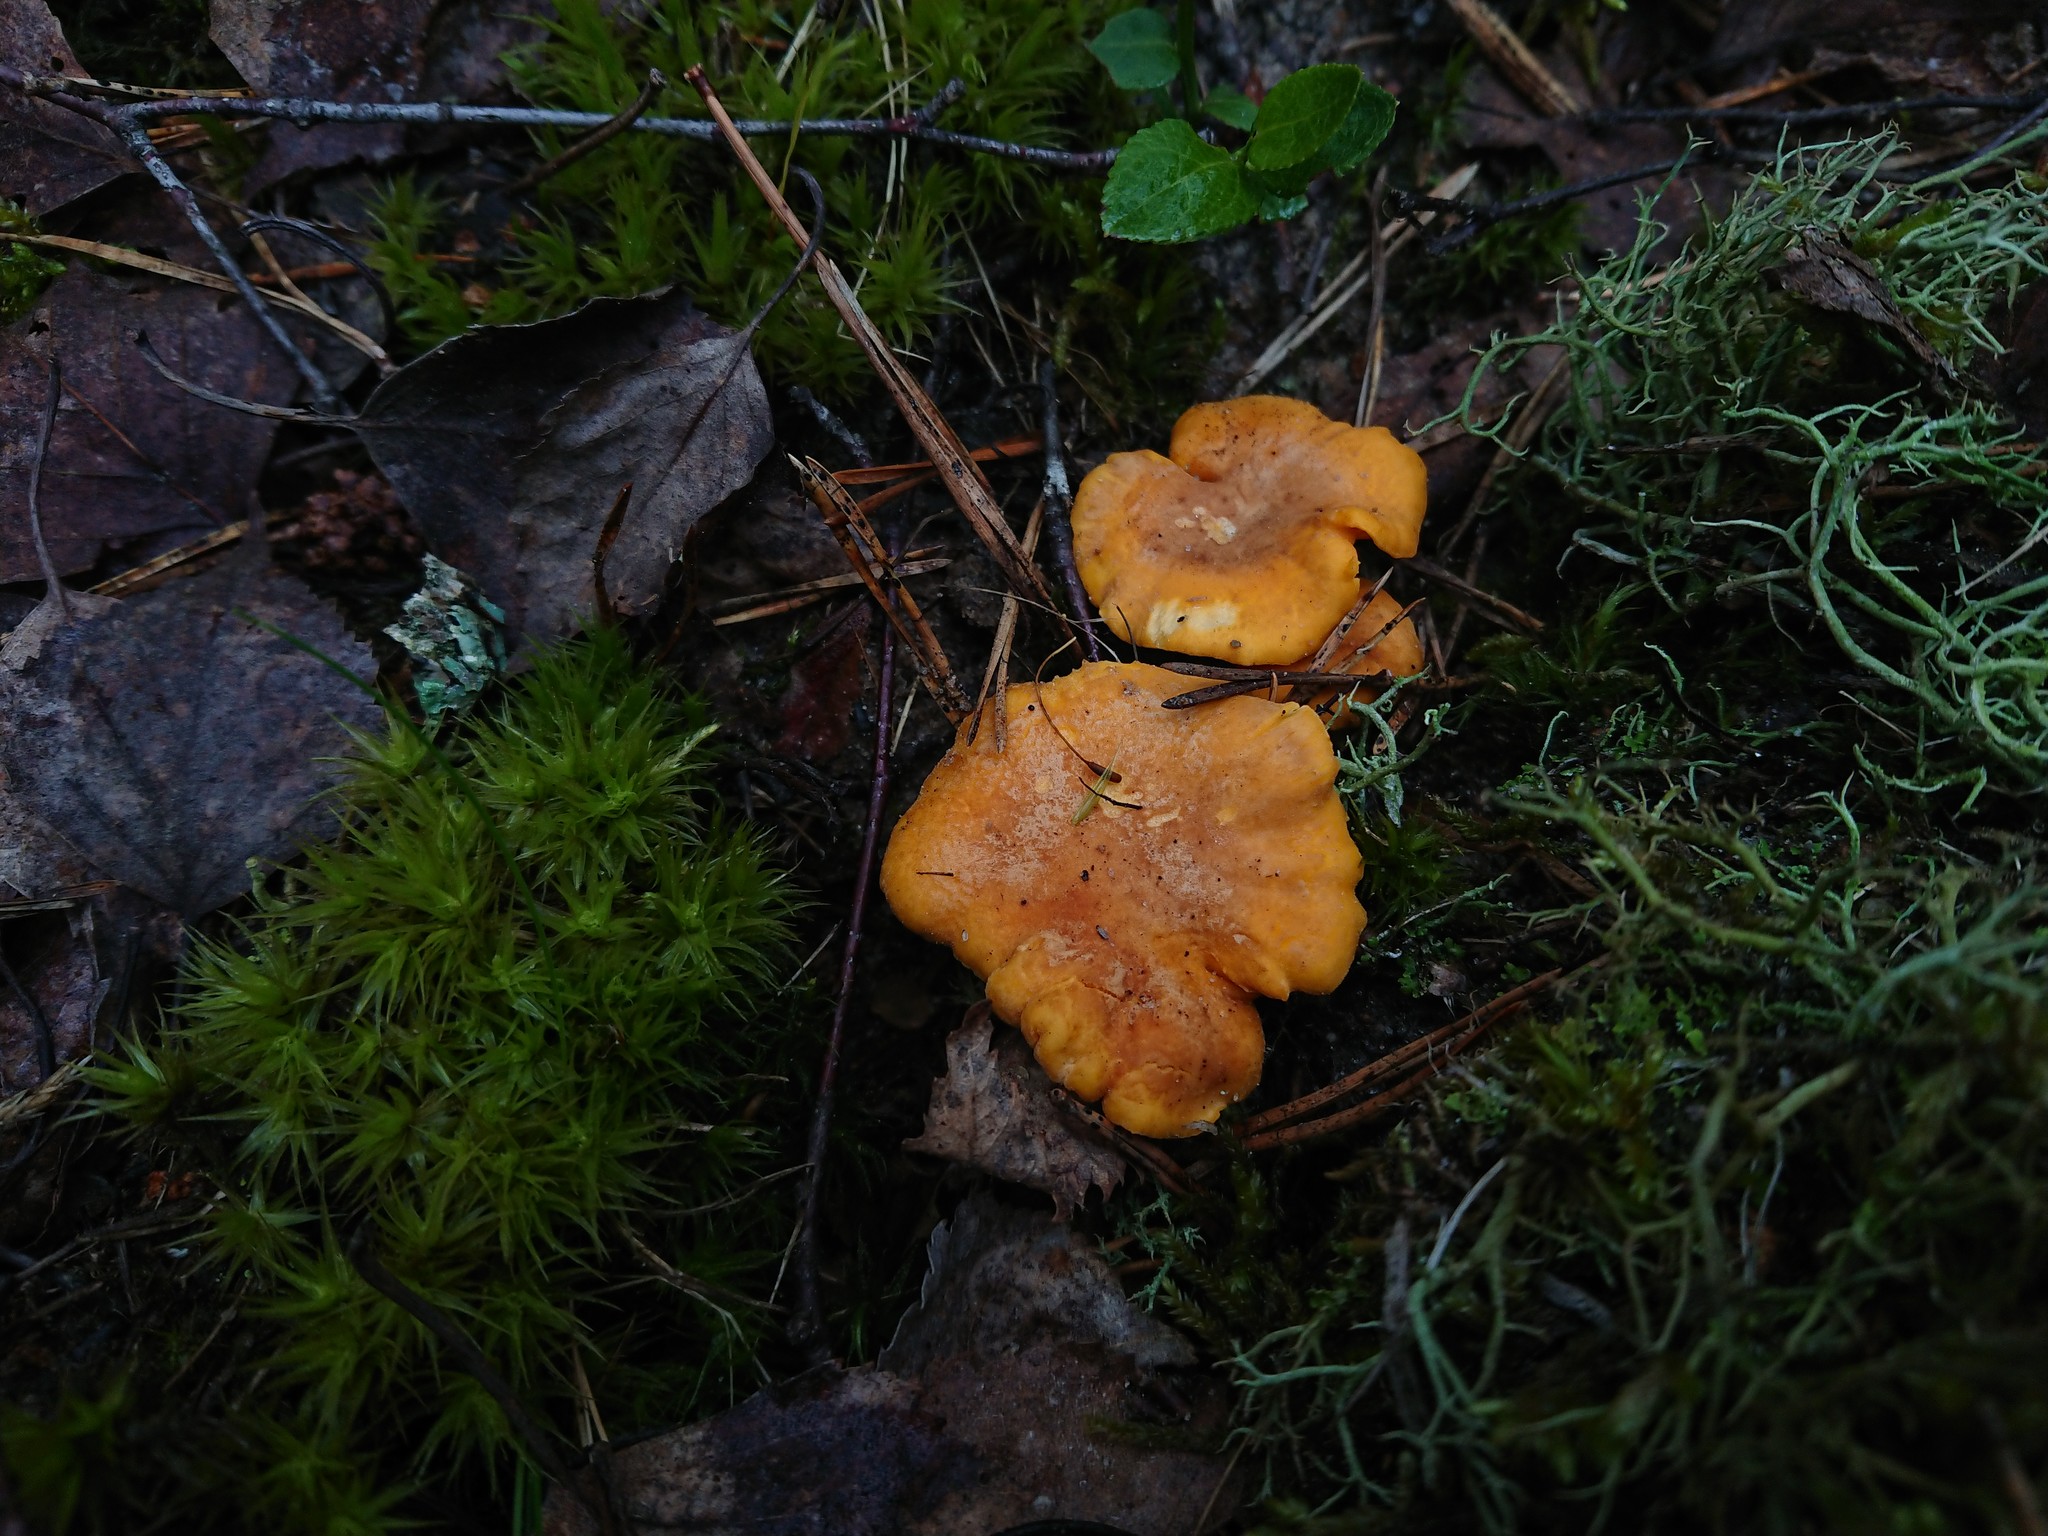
{"x":914,"y":125}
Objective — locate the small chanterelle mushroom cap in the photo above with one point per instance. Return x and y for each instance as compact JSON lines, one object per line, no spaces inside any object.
{"x":1124,"y":925}
{"x":1242,"y":544}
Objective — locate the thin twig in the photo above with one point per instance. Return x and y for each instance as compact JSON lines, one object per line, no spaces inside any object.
{"x":807,"y":1323}
{"x":55,"y":585}
{"x":1058,"y":500}
{"x":1480,"y":217}
{"x":1845,"y":112}
{"x":912,"y":125}
{"x":597,"y":138}
{"x":962,"y":476}
{"x":1497,"y":608}
{"x":1394,"y":1060}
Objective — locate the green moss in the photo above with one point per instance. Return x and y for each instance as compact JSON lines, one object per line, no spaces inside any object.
{"x":646,"y":211}
{"x":24,"y":271}
{"x":507,"y":1031}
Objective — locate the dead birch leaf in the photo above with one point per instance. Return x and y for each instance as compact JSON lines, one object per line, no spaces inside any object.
{"x":507,"y":445}
{"x":996,"y":1110}
{"x":368,"y":50}
{"x":192,"y":465}
{"x":977,"y":1417}
{"x":1828,"y":275}
{"x":48,"y":156}
{"x":169,"y":740}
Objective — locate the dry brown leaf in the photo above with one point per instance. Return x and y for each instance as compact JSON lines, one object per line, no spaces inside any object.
{"x":996,"y":1110}
{"x":975,"y":1419}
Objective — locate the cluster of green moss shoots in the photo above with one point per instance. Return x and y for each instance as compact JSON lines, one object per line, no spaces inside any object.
{"x":508,"y":1034}
{"x":926,"y":233}
{"x":1747,"y":1229}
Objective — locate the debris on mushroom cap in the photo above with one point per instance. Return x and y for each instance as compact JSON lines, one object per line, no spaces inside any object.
{"x":1381,"y":641}
{"x":1242,"y":544}
{"x":1127,"y":877}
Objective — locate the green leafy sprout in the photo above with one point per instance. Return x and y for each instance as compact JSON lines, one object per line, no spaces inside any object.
{"x":1169,"y":184}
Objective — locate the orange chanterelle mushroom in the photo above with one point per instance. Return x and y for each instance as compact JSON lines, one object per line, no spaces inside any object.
{"x":1127,"y":877}
{"x":1241,"y":544}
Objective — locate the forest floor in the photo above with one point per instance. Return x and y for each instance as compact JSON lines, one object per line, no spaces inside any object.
{"x":456,"y":1066}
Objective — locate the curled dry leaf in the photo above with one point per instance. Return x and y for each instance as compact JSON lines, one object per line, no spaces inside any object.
{"x":1823,"y":271}
{"x":48,"y":156}
{"x":169,"y":740}
{"x":509,"y":443}
{"x":976,"y":1417}
{"x":996,"y":1110}
{"x":191,"y":465}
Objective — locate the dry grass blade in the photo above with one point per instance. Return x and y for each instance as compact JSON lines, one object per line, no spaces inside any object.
{"x":1348,"y":283}
{"x":120,"y":255}
{"x":949,"y":456}
{"x":995,"y":679}
{"x":762,"y":605}
{"x":865,"y":552}
{"x":27,"y":1105}
{"x":880,"y":474}
{"x":137,"y":577}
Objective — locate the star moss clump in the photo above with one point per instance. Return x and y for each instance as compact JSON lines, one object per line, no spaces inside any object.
{"x":505,"y":1034}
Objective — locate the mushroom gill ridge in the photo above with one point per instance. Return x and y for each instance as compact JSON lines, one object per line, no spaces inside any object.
{"x":1127,"y":878}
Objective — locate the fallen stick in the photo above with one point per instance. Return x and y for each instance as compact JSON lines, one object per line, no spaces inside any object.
{"x":956,"y":467}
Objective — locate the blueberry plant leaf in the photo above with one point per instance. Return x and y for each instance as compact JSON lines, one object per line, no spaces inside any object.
{"x":1363,"y":130}
{"x":1168,"y":185}
{"x":1301,"y":114}
{"x":1138,"y":51}
{"x":1231,"y":107}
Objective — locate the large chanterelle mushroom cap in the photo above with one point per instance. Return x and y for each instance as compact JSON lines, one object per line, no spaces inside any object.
{"x":1242,"y":543}
{"x":1125,"y":929}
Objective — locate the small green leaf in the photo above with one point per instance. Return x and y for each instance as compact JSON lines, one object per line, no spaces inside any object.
{"x":1232,"y":107}
{"x":1300,"y":115}
{"x":1273,"y":208}
{"x":1137,"y":50}
{"x":1364,"y":129}
{"x":1168,"y":185}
